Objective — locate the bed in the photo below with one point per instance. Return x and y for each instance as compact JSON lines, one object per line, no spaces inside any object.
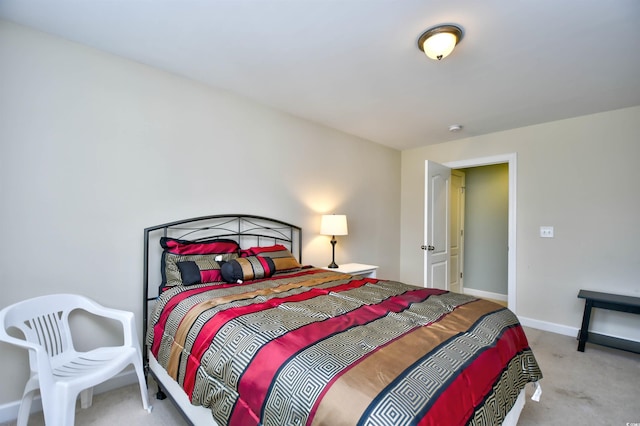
{"x":240,"y":332}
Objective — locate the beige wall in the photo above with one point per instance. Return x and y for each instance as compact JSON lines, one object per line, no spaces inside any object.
{"x":94,"y":148}
{"x":580,"y":176}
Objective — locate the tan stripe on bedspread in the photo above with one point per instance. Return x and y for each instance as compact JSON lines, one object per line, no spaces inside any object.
{"x":193,"y":314}
{"x":363,"y":382}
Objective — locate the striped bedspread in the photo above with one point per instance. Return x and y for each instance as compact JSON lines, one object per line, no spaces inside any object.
{"x":315,"y":347}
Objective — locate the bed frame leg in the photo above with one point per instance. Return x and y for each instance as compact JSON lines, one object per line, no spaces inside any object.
{"x":160,"y":395}
{"x":146,"y":374}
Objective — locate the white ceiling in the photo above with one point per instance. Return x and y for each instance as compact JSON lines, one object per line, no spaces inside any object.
{"x":354,"y":64}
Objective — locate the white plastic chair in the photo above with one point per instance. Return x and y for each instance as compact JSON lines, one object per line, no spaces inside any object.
{"x":57,"y":369}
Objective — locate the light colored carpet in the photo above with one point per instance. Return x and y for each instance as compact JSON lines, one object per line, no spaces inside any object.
{"x":597,"y":387}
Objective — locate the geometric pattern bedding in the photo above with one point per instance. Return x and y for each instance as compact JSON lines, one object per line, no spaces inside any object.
{"x":315,"y":347}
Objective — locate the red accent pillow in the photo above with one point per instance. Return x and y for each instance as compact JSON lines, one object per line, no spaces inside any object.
{"x":281,"y":256}
{"x":183,"y":247}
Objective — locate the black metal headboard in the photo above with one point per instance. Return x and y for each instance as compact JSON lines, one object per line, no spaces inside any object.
{"x":247,"y":230}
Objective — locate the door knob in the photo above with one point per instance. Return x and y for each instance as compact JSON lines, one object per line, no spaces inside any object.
{"x":429,"y":248}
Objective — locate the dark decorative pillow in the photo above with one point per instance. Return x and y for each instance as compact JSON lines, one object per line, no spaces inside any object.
{"x":207,"y":255}
{"x":281,"y":256}
{"x":201,"y":271}
{"x":247,"y":268}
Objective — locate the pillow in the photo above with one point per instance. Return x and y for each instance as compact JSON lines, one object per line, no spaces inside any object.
{"x":206,"y":254}
{"x":281,"y":256}
{"x":176,"y":246}
{"x":247,"y":268}
{"x":200,"y":271}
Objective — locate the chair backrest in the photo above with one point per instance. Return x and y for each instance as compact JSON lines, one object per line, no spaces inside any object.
{"x":44,"y":321}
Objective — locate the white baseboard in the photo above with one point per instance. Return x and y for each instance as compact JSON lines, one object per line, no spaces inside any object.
{"x":485,"y":294}
{"x":549,"y":326}
{"x":527,"y":322}
{"x":9,"y":411}
{"x":566,"y":330}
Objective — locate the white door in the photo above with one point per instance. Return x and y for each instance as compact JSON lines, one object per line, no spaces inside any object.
{"x":436,"y":245}
{"x":457,"y":230}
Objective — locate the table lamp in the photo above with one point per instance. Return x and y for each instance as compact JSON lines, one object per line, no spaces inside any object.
{"x":333,"y":224}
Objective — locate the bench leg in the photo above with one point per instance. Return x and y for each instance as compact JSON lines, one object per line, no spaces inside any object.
{"x":584,"y":331}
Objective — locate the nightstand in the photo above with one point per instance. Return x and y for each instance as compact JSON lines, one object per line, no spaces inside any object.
{"x":365,"y":271}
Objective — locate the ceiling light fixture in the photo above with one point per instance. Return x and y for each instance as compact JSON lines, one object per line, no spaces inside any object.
{"x":438,"y":42}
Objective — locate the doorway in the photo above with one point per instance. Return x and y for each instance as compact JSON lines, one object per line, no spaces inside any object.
{"x":511,"y":160}
{"x":483,"y":263}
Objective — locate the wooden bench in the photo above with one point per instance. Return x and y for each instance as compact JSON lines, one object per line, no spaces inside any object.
{"x":614,"y":302}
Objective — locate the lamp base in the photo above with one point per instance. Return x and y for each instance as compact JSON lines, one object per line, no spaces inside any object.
{"x":333,"y":264}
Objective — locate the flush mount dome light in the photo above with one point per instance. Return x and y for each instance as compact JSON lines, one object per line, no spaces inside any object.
{"x":438,"y":42}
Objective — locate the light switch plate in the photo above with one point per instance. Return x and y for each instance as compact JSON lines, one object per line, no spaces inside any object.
{"x":546,"y":231}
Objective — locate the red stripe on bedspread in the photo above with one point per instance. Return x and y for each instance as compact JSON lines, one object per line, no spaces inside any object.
{"x":475,"y":382}
{"x":212,"y":327}
{"x":158,"y":328}
{"x":254,"y":384}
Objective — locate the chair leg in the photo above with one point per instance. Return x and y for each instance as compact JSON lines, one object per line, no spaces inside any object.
{"x":86,"y":398}
{"x":25,"y":408}
{"x":143,"y":385}
{"x":59,"y":409}
{"x":27,"y":398}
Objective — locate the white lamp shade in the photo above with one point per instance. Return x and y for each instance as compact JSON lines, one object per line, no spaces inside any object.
{"x":333,"y":224}
{"x":439,"y":45}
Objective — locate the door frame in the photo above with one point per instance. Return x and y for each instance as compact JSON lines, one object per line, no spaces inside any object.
{"x":461,"y":210}
{"x":511,"y":160}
